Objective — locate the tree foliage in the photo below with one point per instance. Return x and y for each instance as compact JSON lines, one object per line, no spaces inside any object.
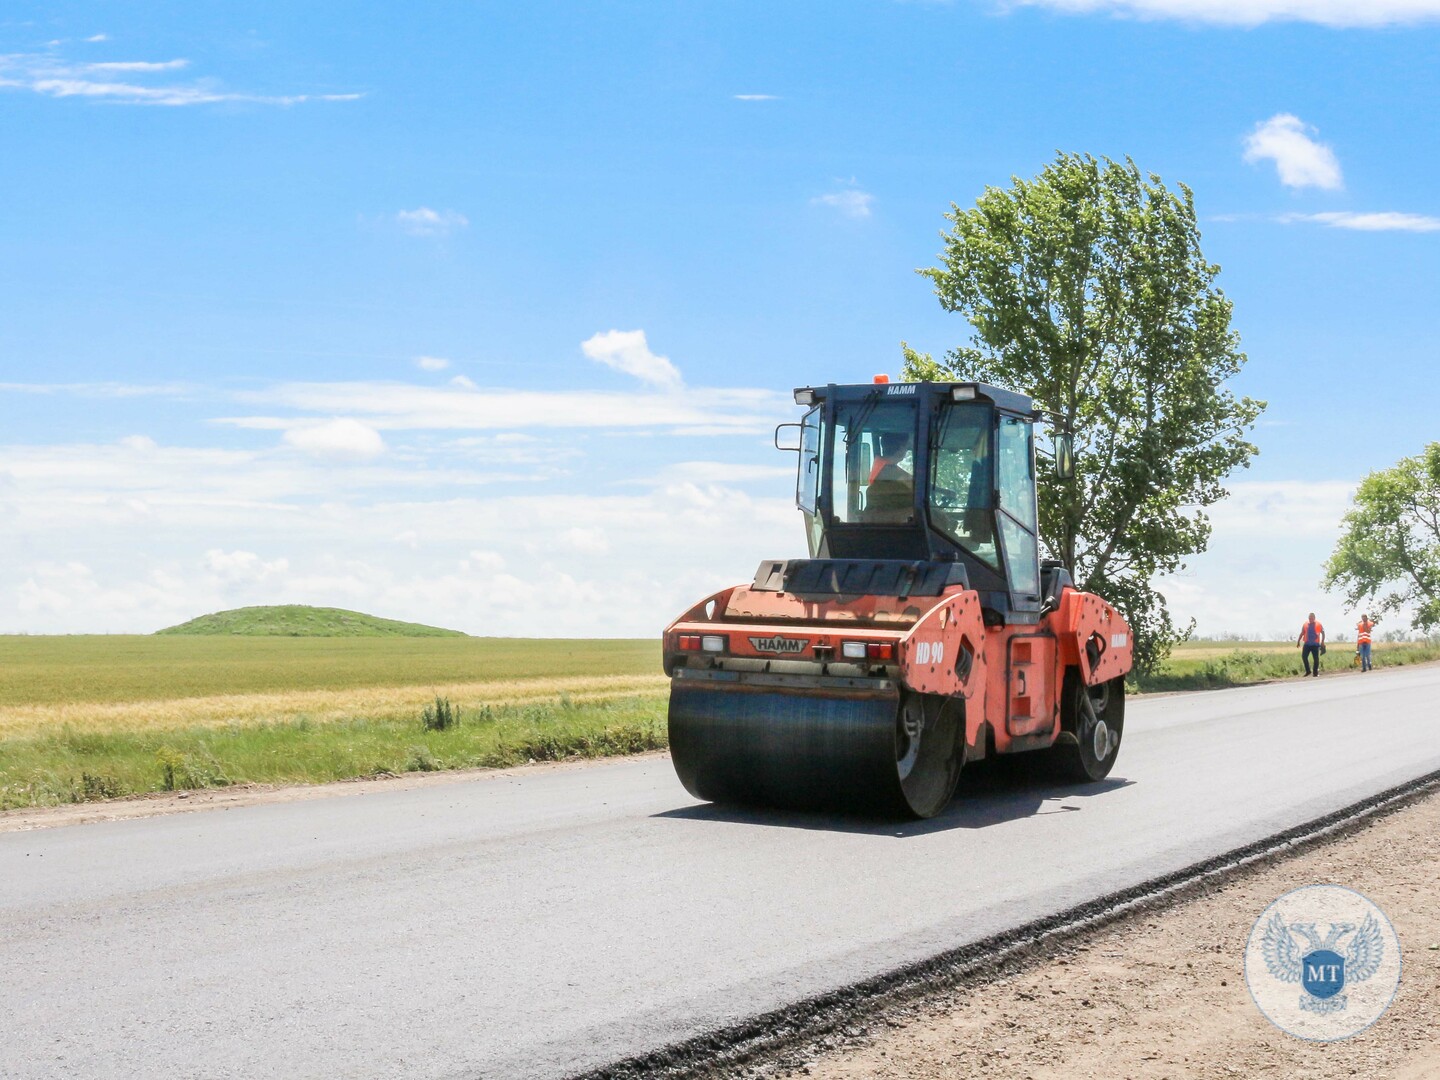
{"x":1086,"y":289}
{"x":1389,"y":556}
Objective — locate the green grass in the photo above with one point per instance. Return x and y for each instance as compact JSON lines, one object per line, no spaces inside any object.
{"x":69,"y":765}
{"x":298,"y":620}
{"x":1206,"y":666}
{"x":54,"y":670}
{"x":85,"y":718}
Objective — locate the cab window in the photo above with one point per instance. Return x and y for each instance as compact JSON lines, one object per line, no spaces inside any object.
{"x":1015,"y":480}
{"x":873,"y":464}
{"x":961,"y":479}
{"x":807,"y":485}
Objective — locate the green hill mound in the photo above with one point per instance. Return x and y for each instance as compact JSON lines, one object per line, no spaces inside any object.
{"x":298,"y":620}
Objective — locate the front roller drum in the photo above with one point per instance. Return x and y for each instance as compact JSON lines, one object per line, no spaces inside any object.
{"x":859,"y":752}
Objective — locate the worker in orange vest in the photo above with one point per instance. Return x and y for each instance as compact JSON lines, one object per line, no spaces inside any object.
{"x":1362,"y":639}
{"x":1312,"y":644}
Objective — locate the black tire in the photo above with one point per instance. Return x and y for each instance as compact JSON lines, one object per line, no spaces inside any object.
{"x":929,"y":752}
{"x":1089,"y":739}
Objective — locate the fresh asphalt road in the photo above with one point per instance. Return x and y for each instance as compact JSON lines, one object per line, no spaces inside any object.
{"x":540,"y":922}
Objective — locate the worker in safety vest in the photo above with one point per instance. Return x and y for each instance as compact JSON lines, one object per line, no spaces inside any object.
{"x":1312,"y":644}
{"x":1362,"y":640}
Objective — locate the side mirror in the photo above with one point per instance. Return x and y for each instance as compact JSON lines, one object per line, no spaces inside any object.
{"x":1064,"y":455}
{"x":781,"y":427}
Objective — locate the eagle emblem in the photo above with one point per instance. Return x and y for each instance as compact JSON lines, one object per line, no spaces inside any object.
{"x":1319,"y":966}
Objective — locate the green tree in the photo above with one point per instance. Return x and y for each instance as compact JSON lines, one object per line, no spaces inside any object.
{"x":1087,"y":290}
{"x":1389,"y":556}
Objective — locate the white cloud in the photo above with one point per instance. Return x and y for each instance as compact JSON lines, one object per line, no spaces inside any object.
{"x":647,"y":555}
{"x":101,"y":390}
{"x":628,"y":351}
{"x":509,"y":448}
{"x":56,"y":593}
{"x":583,"y":541}
{"x":448,"y":524}
{"x":461,"y":382}
{"x":82,"y":487}
{"x":431,"y":363}
{"x":242,"y":566}
{"x":1384,"y":221}
{"x":400,"y":406}
{"x":726,"y":472}
{"x":1337,"y":13}
{"x":1308,"y":508}
{"x":94,"y":38}
{"x":755,"y":97}
{"x":1299,"y":159}
{"x":139,"y":65}
{"x":52,"y":76}
{"x":427,"y":222}
{"x":483,"y":562}
{"x":50,"y":587}
{"x":343,"y":439}
{"x":852,"y":202}
{"x":1257,"y":579}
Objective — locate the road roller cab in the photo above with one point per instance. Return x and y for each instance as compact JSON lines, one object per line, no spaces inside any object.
{"x":922,"y":631}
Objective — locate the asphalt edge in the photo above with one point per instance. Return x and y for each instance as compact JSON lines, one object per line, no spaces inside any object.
{"x":724,"y":1050}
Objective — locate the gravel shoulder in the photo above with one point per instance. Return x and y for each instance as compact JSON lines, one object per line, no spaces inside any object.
{"x":1164,"y":995}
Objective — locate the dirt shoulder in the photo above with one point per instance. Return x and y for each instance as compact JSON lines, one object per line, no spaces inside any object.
{"x":1164,"y":995}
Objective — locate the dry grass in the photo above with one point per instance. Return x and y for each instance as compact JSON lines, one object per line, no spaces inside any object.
{"x":316,"y":706}
{"x":114,"y":669}
{"x":1210,"y":650}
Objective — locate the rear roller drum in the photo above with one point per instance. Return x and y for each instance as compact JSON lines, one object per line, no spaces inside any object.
{"x":866,"y":752}
{"x":1093,"y":721}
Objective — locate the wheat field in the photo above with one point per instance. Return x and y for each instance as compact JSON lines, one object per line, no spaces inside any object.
{"x":100,"y":717}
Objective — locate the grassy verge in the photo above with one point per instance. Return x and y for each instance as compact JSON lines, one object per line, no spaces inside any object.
{"x":1268,"y":662}
{"x":86,"y":718}
{"x":71,"y":764}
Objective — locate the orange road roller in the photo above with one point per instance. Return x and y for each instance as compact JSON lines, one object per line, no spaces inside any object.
{"x":924,"y":631}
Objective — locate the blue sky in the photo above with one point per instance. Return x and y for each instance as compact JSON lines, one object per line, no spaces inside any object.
{"x":482,"y":314}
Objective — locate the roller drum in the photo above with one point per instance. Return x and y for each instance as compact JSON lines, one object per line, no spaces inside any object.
{"x":855,"y":751}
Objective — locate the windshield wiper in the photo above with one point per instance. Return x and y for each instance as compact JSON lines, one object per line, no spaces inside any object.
{"x":857,"y":422}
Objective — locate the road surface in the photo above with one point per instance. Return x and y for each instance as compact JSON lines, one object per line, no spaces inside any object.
{"x":535,"y":923}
